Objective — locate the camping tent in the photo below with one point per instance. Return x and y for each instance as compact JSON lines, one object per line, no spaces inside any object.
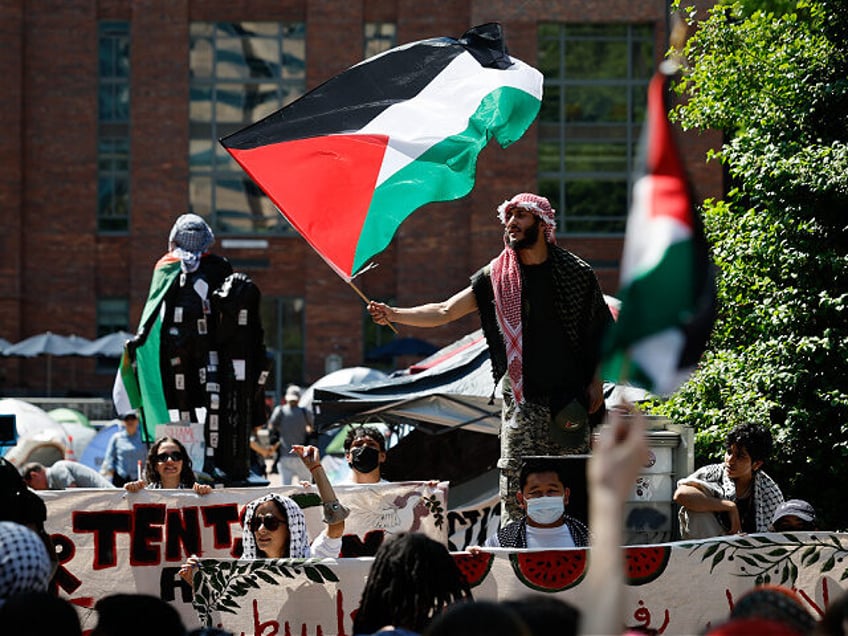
{"x":348,"y":375}
{"x":40,"y":437}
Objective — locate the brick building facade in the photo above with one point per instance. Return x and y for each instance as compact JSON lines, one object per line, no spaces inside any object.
{"x":57,"y":264}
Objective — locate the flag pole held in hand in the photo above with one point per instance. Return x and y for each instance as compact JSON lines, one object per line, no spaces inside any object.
{"x":367,"y":300}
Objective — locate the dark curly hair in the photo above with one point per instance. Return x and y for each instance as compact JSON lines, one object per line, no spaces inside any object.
{"x":413,"y":578}
{"x":151,"y":475}
{"x":754,"y":438}
{"x":371,"y":432}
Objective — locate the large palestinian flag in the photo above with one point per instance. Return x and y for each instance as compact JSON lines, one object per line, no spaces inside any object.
{"x":348,"y":162}
{"x":667,"y":288}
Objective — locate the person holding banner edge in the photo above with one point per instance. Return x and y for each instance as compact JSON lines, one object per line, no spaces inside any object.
{"x":543,"y":316}
{"x":168,"y":466}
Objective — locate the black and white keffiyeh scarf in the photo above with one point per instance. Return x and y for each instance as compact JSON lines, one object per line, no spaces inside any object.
{"x":298,"y":537}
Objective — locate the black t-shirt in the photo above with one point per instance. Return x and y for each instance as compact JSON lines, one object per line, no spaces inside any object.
{"x":549,"y":365}
{"x":747,"y":516}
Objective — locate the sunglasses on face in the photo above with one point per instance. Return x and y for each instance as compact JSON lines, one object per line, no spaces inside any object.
{"x":270,"y":522}
{"x":176,"y":456}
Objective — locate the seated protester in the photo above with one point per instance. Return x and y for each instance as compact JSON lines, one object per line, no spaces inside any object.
{"x":794,"y":515}
{"x":168,"y":466}
{"x":365,"y":452}
{"x":61,"y":475}
{"x":543,"y":496}
{"x":736,"y":496}
{"x":275,"y":527}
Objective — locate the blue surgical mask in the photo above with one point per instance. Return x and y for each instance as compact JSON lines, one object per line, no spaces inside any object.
{"x":545,"y":510}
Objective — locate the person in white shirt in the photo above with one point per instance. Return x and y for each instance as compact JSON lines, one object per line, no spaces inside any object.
{"x":543,"y":496}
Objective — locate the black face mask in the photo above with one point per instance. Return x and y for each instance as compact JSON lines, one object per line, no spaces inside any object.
{"x":364,"y":459}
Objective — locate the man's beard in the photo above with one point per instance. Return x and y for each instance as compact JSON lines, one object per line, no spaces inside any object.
{"x":531,"y":235}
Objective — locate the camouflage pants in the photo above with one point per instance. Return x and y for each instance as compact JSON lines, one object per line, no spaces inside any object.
{"x":524,"y":432}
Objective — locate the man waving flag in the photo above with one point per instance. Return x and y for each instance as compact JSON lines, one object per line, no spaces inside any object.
{"x":349,"y":161}
{"x":667,"y":287}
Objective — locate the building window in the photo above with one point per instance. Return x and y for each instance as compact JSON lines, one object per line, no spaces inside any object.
{"x":240,"y":73}
{"x":595,"y":92}
{"x":113,"y":314}
{"x":379,"y":37}
{"x":283,"y":320}
{"x":113,"y":143}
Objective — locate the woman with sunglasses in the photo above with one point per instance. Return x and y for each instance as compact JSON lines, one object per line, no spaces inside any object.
{"x":168,"y":466}
{"x":275,"y":527}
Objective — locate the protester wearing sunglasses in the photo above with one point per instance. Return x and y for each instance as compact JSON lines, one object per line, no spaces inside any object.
{"x":168,"y":466}
{"x":275,"y":527}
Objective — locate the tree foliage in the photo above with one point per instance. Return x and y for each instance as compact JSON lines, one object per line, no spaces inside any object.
{"x":772,"y":76}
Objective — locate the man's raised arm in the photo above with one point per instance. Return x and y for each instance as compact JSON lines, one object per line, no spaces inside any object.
{"x":429,"y":315}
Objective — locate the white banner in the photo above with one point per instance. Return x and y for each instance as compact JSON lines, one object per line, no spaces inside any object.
{"x":110,"y":541}
{"x":673,"y":588}
{"x":474,"y":523}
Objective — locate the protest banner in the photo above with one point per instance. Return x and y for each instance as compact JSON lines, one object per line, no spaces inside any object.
{"x":673,"y":588}
{"x":111,"y":541}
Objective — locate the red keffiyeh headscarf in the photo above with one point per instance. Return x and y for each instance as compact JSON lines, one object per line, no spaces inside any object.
{"x":506,"y":283}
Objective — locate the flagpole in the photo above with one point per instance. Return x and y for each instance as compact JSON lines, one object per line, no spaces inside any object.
{"x":367,"y":300}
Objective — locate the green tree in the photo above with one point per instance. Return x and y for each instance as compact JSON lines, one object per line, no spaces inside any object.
{"x":772,"y":76}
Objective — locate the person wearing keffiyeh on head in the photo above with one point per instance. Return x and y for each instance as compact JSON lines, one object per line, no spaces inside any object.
{"x":189,"y":239}
{"x":25,"y":564}
{"x":543,"y":315}
{"x":274,"y":525}
{"x":275,"y":528}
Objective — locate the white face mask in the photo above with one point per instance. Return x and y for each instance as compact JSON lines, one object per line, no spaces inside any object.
{"x":545,"y":510}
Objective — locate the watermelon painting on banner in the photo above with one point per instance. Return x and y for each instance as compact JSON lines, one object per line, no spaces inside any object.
{"x":673,"y":588}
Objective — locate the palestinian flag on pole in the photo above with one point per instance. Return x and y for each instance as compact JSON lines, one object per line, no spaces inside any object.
{"x":138,"y":382}
{"x":349,"y":161}
{"x":667,"y":289}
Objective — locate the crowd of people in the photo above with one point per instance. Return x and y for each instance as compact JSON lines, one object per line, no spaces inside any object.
{"x":414,"y":586}
{"x":543,"y":316}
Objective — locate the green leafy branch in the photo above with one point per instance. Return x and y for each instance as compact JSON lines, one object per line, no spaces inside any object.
{"x":761,"y":562}
{"x":219,"y":583}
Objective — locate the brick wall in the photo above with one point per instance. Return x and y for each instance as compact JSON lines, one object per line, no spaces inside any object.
{"x":54,"y":265}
